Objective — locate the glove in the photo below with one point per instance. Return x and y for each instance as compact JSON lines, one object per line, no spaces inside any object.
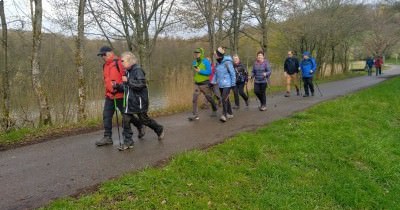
{"x":311,"y":71}
{"x":118,"y":88}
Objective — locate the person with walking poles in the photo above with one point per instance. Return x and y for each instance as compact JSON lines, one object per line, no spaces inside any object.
{"x":202,"y":70}
{"x":291,"y":70}
{"x":136,"y":99}
{"x":369,"y":63}
{"x":260,"y":74}
{"x":112,"y":74}
{"x":378,"y":65}
{"x":308,"y":67}
{"x":241,"y":80}
{"x":225,"y":77}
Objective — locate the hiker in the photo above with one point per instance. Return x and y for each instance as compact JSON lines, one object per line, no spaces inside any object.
{"x":137,"y":100}
{"x":260,"y":74}
{"x":112,"y":73}
{"x":369,"y":63}
{"x":202,"y":71}
{"x":226,"y":79}
{"x":378,"y":65}
{"x":308,"y":68}
{"x":291,"y":68}
{"x":241,"y":81}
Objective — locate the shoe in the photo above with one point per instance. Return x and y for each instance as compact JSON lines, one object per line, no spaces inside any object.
{"x":106,"y":140}
{"x":213,"y":114}
{"x":193,"y":118}
{"x":223,"y":118}
{"x":142,"y":132}
{"x":247,"y":102}
{"x":125,"y":146}
{"x":263,"y":108}
{"x":161,"y":134}
{"x":287,"y":94}
{"x":229,"y":116}
{"x":306,"y":95}
{"x":235,"y":107}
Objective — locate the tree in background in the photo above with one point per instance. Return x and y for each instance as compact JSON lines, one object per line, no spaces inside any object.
{"x":36,"y":15}
{"x":79,"y":57}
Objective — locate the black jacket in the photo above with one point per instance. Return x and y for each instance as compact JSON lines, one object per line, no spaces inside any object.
{"x":291,"y":65}
{"x":136,"y":93}
{"x":241,"y":73}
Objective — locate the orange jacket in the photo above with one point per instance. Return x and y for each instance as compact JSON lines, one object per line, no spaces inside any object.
{"x":111,"y":73}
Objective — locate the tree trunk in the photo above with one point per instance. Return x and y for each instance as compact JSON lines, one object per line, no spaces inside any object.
{"x":333,"y":60}
{"x":6,"y":120}
{"x":36,"y":12}
{"x":79,"y":62}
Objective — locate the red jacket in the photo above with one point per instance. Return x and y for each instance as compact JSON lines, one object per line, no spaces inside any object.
{"x":378,"y":62}
{"x":111,"y":73}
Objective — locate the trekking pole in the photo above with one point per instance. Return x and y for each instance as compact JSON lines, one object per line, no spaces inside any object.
{"x":116,"y":115}
{"x":316,"y":84}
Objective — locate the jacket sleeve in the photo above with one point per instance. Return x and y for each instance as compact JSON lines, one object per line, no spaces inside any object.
{"x":206,"y":71}
{"x":232,"y":73}
{"x":314,"y":65}
{"x":253,"y":72}
{"x":137,"y":81}
{"x":268,"y":70}
{"x":297,"y":65}
{"x":285,"y":65}
{"x":246,"y":73}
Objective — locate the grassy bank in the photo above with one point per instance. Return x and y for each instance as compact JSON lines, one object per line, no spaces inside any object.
{"x":342,"y":154}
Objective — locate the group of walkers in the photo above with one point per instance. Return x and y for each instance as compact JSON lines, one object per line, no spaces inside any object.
{"x":377,"y":63}
{"x":228,"y":74}
{"x":126,"y":88}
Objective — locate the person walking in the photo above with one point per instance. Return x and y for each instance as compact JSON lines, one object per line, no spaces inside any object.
{"x":308,"y":67}
{"x":137,"y":99}
{"x":112,"y":74}
{"x":369,"y":63}
{"x":378,"y":65}
{"x":241,"y":80}
{"x":202,"y":71}
{"x":226,"y":79}
{"x":291,"y":70}
{"x":214,"y":88}
{"x":261,"y":73}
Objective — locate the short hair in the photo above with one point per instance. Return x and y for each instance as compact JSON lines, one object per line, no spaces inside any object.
{"x":236,"y":55}
{"x":260,"y":52}
{"x":129,"y":57}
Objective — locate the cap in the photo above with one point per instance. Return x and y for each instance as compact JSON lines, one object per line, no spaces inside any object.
{"x":103,"y":50}
{"x":306,"y":53}
{"x":220,"y":52}
{"x":197,"y":50}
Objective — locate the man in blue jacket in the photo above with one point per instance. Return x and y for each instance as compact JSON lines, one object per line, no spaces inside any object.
{"x":308,"y":67}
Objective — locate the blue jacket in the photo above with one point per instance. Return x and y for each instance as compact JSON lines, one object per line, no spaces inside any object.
{"x":308,"y":65}
{"x":259,"y":70}
{"x":225,"y":75}
{"x":370,"y":62}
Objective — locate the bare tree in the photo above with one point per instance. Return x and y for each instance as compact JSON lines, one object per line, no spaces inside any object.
{"x":236,"y":21}
{"x":79,"y":61}
{"x":6,"y":120}
{"x":36,"y":15}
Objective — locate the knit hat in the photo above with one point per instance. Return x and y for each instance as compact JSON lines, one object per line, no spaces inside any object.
{"x":220,"y":52}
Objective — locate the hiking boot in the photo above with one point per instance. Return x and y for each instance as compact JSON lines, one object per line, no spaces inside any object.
{"x":213,"y":114}
{"x":106,"y":140}
{"x":161,"y":134}
{"x":142,"y":132}
{"x":263,"y":108}
{"x":236,"y":107}
{"x":306,"y":95}
{"x":287,"y":94}
{"x":222,"y":119}
{"x":125,"y":146}
{"x":193,"y":118}
{"x":229,"y":116}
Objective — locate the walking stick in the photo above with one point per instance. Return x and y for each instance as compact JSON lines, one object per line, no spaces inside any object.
{"x":116,"y":115}
{"x":316,"y":84}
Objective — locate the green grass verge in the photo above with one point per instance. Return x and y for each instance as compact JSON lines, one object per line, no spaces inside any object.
{"x":342,"y":154}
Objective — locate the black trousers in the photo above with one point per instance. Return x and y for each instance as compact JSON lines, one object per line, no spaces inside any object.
{"x":308,"y":84}
{"x":108,"y":113}
{"x":226,"y":104}
{"x":378,"y":70}
{"x":144,"y":119}
{"x":260,"y":91}
{"x":239,"y":89}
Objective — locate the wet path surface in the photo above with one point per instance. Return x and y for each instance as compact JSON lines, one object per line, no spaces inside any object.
{"x":32,"y":176}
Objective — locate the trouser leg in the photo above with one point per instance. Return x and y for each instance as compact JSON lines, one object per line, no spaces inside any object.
{"x":127,"y":131}
{"x":241,"y":91}
{"x":263,"y":94}
{"x":108,"y":113}
{"x":196,"y":94}
{"x":257,"y":91}
{"x":305,"y":83}
{"x":288,"y":81}
{"x":226,"y":105}
{"x":146,"y":120}
{"x":236,"y":95}
{"x":207,"y":93}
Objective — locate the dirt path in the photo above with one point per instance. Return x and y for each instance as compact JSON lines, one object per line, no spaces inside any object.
{"x":33,"y":175}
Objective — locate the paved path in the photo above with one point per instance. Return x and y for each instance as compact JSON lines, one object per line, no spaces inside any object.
{"x":33,"y":175}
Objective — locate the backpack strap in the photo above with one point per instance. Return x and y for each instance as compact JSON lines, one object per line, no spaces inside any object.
{"x":116,"y":65}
